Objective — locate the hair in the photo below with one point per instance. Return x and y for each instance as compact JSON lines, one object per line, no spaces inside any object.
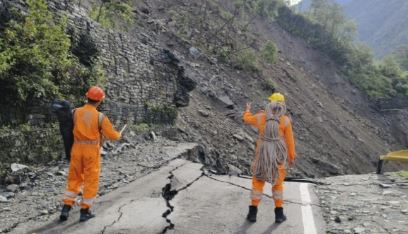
{"x":272,"y":149}
{"x":93,"y":102}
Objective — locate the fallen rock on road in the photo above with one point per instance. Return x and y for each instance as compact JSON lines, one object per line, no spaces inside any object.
{"x":368,"y":203}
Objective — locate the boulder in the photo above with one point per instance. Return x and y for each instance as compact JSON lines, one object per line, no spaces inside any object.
{"x":3,"y":199}
{"x":227,"y":101}
{"x":203,"y":113}
{"x":15,"y":167}
{"x":194,"y":52}
{"x":12,"y":188}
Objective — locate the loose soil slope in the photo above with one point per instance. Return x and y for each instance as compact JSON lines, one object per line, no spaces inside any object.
{"x":337,"y":130}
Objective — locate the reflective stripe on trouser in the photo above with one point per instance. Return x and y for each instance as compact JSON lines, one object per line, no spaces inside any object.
{"x":87,"y":202}
{"x":277,"y":189}
{"x":69,"y":197}
{"x":84,"y":171}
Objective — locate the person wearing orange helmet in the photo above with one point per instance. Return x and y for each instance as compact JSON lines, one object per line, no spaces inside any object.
{"x":89,"y":128}
{"x":275,"y":146}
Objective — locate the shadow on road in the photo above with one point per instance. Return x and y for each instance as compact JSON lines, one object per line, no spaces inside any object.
{"x":55,"y":227}
{"x":244,"y":227}
{"x":271,"y":228}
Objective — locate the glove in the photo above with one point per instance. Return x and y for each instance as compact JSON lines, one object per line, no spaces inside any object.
{"x":291,"y":163}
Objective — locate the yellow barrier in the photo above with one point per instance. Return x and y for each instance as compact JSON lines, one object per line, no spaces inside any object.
{"x":401,"y":155}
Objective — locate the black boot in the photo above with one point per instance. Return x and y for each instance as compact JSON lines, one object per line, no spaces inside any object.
{"x":65,"y":212}
{"x":251,"y":217}
{"x":279,"y":216}
{"x":85,"y":215}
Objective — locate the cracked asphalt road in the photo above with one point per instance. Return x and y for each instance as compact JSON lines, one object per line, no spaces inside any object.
{"x":199,"y":203}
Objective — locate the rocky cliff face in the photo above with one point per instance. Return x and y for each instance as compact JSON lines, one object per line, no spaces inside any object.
{"x":145,"y":82}
{"x":140,"y":72}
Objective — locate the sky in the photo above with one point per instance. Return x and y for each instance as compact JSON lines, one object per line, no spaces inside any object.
{"x":293,"y":2}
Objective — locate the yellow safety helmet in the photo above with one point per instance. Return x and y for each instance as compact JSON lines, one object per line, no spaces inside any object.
{"x":277,"y":97}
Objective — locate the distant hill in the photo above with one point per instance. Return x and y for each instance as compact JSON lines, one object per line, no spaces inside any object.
{"x":302,"y":6}
{"x":305,"y":4}
{"x":343,"y":2}
{"x":383,"y":25}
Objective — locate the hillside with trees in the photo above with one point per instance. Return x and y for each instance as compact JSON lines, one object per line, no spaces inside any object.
{"x":325,"y":26}
{"x":383,"y":25}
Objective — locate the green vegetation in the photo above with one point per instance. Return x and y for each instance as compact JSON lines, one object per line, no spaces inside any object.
{"x":331,"y":17}
{"x":160,"y":113}
{"x":263,"y":8}
{"x":401,"y":57}
{"x":326,"y":28}
{"x":28,"y":144}
{"x":112,"y":13}
{"x":269,"y":52}
{"x":36,"y":62}
{"x":141,"y":128}
{"x":246,"y":60}
{"x":269,"y":85}
{"x":224,"y":33}
{"x":34,"y":55}
{"x":403,"y":174}
{"x":224,"y":54}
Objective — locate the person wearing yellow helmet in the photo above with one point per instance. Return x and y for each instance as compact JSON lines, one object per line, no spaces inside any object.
{"x":275,"y":146}
{"x":277,"y":97}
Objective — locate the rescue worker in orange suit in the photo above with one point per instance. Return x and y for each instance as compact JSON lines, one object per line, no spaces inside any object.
{"x":274,"y":148}
{"x":89,"y":128}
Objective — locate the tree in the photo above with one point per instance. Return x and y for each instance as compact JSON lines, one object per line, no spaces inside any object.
{"x":34,"y":57}
{"x":269,"y":52}
{"x":331,"y":16}
{"x":111,"y":12}
{"x":401,"y":57}
{"x":390,"y":68}
{"x":36,"y":63}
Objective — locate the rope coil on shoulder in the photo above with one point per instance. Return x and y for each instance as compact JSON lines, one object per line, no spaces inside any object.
{"x":273,"y":119}
{"x":267,"y":139}
{"x":272,"y":150}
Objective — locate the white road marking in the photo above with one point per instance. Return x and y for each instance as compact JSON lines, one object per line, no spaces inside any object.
{"x":309,"y":226}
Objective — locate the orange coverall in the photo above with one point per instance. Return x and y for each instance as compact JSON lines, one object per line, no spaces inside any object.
{"x":259,"y":121}
{"x":85,"y":156}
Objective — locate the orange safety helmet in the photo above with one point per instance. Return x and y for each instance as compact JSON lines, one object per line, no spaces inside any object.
{"x":95,"y":93}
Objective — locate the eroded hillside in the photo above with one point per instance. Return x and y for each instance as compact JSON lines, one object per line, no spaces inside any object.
{"x":337,"y":130}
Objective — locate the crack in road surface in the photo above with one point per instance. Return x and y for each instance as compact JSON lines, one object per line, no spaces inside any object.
{"x":118,"y":219}
{"x":168,"y":194}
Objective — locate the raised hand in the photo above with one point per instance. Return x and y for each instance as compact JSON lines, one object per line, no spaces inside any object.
{"x":248,"y":107}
